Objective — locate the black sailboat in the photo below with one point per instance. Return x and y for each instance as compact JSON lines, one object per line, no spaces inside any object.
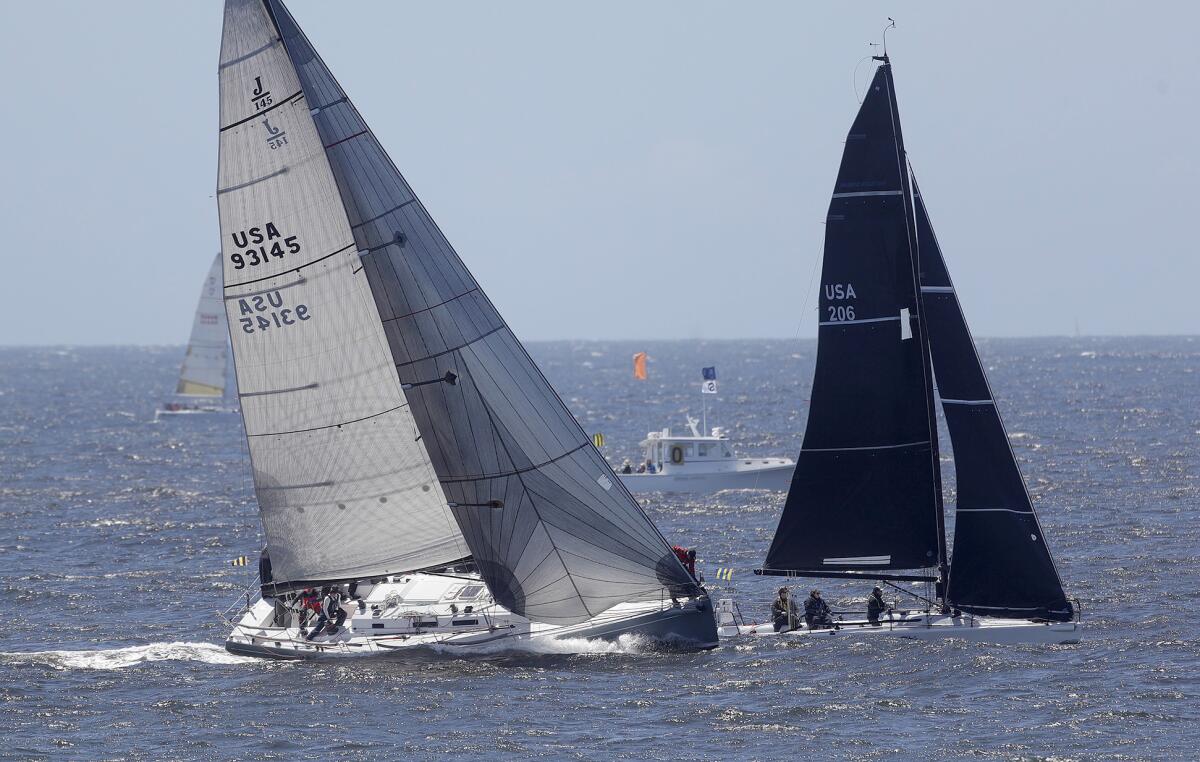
{"x":866,"y":498}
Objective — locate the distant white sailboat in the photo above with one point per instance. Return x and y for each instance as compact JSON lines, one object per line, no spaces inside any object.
{"x":866,"y":499}
{"x":406,"y":451}
{"x":204,"y":372}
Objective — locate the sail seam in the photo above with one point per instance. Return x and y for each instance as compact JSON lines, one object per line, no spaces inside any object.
{"x":293,"y":284}
{"x":291,"y":98}
{"x":327,"y":426}
{"x":871,"y":447}
{"x":396,"y":208}
{"x":452,"y":349}
{"x":937,"y":289}
{"x":291,"y":270}
{"x":343,"y":140}
{"x":432,"y":306}
{"x":946,"y":401}
{"x":516,"y":472}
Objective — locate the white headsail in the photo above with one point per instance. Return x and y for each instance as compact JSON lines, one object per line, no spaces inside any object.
{"x":203,"y":370}
{"x":343,"y":481}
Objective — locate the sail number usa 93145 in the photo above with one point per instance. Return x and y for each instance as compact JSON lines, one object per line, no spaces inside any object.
{"x":258,"y":245}
{"x":262,"y":312}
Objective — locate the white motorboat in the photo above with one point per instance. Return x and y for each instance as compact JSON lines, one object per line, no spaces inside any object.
{"x":698,"y":463}
{"x":915,"y":625}
{"x":455,"y":609}
{"x":395,"y":424}
{"x":203,"y":374}
{"x":866,"y":502}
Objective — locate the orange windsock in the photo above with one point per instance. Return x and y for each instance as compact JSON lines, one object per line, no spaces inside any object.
{"x":639,"y":366}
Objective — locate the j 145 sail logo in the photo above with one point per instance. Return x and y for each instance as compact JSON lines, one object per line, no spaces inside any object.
{"x":259,"y":243}
{"x":275,"y":136}
{"x":836,"y":292}
{"x":261,"y":97}
{"x":265,"y":311}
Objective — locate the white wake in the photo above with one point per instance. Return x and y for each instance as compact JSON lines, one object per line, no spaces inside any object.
{"x":120,"y":658}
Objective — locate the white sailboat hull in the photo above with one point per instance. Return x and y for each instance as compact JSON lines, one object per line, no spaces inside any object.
{"x":776,"y":475}
{"x":416,"y":611}
{"x":921,"y":626}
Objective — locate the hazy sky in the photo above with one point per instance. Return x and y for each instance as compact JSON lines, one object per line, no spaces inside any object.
{"x":629,"y":169}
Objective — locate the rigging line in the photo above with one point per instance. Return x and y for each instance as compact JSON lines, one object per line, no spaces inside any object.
{"x":296,"y":269}
{"x":329,"y":426}
{"x":290,"y":99}
{"x":516,"y":472}
{"x":808,"y":292}
{"x":854,"y":78}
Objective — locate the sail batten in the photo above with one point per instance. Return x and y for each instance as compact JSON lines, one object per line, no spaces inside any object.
{"x":344,"y":487}
{"x":1001,"y":564}
{"x":559,"y":540}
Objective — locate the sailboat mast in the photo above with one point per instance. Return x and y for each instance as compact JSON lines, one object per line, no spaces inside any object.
{"x":921,"y":334}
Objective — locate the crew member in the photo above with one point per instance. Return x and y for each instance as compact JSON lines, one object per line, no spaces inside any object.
{"x":781,"y":611}
{"x":816,"y":612}
{"x":875,"y":606}
{"x":687,"y":557}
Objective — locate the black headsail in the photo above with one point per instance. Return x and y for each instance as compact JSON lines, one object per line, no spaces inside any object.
{"x":866,"y":494}
{"x":1001,"y":565}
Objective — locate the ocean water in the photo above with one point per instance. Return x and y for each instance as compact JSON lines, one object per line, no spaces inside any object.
{"x":116,"y":535}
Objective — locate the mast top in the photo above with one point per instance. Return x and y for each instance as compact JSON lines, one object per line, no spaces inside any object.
{"x":884,"y":58}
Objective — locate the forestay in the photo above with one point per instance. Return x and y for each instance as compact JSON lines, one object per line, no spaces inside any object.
{"x":865,"y":491}
{"x":1001,"y":565}
{"x":556,"y":536}
{"x":345,"y":488}
{"x":204,"y":366}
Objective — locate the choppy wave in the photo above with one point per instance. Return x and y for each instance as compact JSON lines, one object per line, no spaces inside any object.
{"x":625,"y":644}
{"x":120,"y":658}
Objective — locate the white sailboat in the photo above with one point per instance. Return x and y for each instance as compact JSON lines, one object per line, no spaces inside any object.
{"x":203,"y":374}
{"x":406,"y":451}
{"x":866,"y":499}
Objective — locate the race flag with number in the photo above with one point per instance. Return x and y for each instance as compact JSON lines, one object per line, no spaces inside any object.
{"x":639,"y":366}
{"x":710,"y":380}
{"x":598,"y":440}
{"x":725,"y":574}
{"x":239,"y":561}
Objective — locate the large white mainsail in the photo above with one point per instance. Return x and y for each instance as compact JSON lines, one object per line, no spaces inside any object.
{"x":556,"y":536}
{"x":344,"y":485}
{"x":203,"y":371}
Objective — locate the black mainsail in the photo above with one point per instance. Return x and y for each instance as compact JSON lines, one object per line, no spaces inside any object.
{"x":1001,"y":564}
{"x":867,"y":494}
{"x":556,"y":536}
{"x":866,"y":490}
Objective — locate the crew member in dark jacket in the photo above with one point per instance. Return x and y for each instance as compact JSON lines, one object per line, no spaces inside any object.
{"x":875,"y":606}
{"x":816,"y":612}
{"x":781,"y":611}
